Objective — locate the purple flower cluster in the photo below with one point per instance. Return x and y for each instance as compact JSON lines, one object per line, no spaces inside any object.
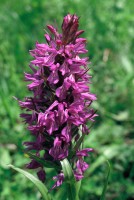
{"x":61,"y":98}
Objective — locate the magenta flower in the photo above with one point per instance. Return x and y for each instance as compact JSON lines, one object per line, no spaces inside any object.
{"x":61,"y":100}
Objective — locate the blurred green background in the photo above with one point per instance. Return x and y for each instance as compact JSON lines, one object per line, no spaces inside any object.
{"x":109,"y":29}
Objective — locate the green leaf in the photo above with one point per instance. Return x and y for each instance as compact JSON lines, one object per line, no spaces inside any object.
{"x":45,"y":163}
{"x":41,"y":187}
{"x":68,"y":172}
{"x":79,"y":142}
{"x":106,"y":183}
{"x":72,"y":185}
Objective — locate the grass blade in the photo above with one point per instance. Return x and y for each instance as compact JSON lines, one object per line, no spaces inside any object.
{"x":106,"y":182}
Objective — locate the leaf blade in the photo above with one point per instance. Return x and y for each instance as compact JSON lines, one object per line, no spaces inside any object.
{"x":70,"y":179}
{"x":41,"y":187}
{"x":45,"y":163}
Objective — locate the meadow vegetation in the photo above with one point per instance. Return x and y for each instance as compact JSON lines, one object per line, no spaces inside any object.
{"x":109,"y":29}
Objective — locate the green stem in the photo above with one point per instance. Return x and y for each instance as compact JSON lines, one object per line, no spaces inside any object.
{"x":70,"y":192}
